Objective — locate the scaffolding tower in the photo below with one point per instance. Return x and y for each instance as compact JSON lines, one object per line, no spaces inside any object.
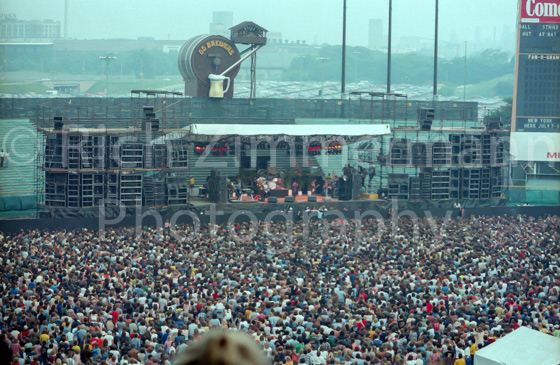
{"x":129,"y":155}
{"x":437,"y":151}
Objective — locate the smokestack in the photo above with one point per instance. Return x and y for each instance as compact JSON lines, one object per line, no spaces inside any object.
{"x":66,"y":19}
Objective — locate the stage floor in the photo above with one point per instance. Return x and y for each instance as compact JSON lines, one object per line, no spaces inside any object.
{"x":298,"y":199}
{"x":247,"y":199}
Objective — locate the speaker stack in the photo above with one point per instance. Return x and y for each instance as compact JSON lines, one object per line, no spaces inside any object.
{"x":345,"y":188}
{"x":495,"y":124}
{"x":425,"y":118}
{"x":217,"y":187}
{"x":356,"y":186}
{"x":398,"y":186}
{"x":419,"y":155}
{"x":58,"y":123}
{"x":222,"y":190}
{"x":149,"y":121}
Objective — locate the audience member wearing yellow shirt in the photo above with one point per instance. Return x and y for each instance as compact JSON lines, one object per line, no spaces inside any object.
{"x":460,"y":360}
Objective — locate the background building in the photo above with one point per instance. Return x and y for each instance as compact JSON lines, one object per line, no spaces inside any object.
{"x":221,"y":22}
{"x":375,"y":33}
{"x":14,"y":30}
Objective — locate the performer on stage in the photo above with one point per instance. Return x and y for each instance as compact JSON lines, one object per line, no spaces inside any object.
{"x":294,"y":188}
{"x":371,"y":174}
{"x":238,"y":188}
{"x":327,"y":187}
{"x":319,"y":185}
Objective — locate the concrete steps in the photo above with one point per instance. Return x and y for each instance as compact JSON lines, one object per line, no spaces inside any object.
{"x":19,"y":137}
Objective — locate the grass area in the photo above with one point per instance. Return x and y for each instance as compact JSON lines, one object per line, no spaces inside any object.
{"x":501,"y":86}
{"x":15,"y":88}
{"x":491,"y":88}
{"x":124,"y":87}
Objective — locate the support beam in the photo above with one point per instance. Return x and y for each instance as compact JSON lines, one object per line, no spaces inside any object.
{"x":253,"y":91}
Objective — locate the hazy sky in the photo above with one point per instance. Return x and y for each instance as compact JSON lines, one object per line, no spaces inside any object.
{"x":308,"y":20}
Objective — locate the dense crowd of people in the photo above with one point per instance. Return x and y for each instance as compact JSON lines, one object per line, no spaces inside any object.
{"x":308,"y":293}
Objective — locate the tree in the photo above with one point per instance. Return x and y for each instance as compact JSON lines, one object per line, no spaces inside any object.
{"x":504,"y":88}
{"x":503,"y":113}
{"x":411,"y":68}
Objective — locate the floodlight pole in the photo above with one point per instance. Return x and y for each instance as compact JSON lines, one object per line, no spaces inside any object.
{"x":389,"y":47}
{"x":436,"y":52}
{"x":343,"y":81}
{"x":107,"y":59}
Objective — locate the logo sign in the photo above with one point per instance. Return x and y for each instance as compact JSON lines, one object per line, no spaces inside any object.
{"x":531,"y":146}
{"x":540,"y":11}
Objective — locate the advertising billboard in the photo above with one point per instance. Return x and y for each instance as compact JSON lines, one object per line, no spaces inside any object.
{"x":532,"y":146}
{"x":536,"y":97}
{"x":540,"y":11}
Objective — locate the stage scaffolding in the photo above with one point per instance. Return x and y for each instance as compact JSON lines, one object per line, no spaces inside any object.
{"x":136,"y":151}
{"x":454,"y":156}
{"x":130,"y":155}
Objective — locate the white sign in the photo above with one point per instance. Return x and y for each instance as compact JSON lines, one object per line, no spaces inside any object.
{"x":532,"y":146}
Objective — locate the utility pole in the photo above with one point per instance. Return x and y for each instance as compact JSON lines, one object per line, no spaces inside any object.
{"x":389,"y":47}
{"x":343,"y":81}
{"x":323,"y":60}
{"x":465,"y":76}
{"x":436,"y":52}
{"x":300,"y":60}
{"x":356,"y":63}
{"x":107,"y":59}
{"x":447,"y":66}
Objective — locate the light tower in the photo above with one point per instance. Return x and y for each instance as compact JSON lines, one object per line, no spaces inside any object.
{"x":107,"y":59}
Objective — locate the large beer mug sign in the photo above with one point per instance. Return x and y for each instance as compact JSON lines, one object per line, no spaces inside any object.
{"x":217,"y":85}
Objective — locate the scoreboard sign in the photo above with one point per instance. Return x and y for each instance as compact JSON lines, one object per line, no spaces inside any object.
{"x":540,"y":11}
{"x":536,"y":99}
{"x":538,"y":124}
{"x":539,"y":38}
{"x":538,"y":93}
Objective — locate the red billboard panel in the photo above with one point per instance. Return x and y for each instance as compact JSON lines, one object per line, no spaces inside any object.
{"x":540,"y":11}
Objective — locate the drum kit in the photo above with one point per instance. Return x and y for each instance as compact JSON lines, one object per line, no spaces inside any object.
{"x":266,"y":184}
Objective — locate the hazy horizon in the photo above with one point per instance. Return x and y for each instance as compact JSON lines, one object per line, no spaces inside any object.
{"x":484,"y":24}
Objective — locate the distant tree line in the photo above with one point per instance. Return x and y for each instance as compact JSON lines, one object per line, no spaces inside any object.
{"x":362,"y":64}
{"x":503,"y":113}
{"x":138,"y":63}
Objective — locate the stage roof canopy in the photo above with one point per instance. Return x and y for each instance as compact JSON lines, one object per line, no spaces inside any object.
{"x":295,"y":130}
{"x":522,"y":346}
